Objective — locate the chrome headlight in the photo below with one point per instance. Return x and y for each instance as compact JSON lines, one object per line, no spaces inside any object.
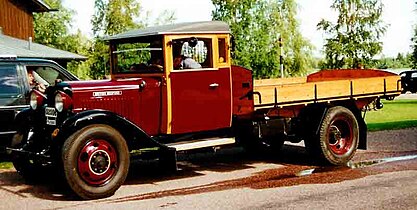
{"x":62,"y":101}
{"x":59,"y":102}
{"x":36,"y":99}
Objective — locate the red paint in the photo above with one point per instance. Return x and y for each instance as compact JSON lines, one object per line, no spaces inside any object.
{"x":142,"y":106}
{"x":242,"y":84}
{"x":198,"y":107}
{"x":97,"y":162}
{"x":340,"y":135}
{"x":342,"y":74}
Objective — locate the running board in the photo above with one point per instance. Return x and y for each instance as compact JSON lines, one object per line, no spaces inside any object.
{"x":201,"y":143}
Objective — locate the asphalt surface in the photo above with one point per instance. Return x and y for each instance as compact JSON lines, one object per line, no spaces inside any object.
{"x":232,"y":179}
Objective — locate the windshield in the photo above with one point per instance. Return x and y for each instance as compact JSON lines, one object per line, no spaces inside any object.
{"x":142,"y":56}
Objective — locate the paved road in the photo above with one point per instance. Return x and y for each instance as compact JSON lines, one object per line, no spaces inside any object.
{"x":231,"y":179}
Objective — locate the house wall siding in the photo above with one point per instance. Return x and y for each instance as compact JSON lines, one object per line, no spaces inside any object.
{"x":16,"y":21}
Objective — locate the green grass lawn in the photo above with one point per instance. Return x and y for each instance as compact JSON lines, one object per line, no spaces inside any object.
{"x":396,"y":114}
{"x":6,"y":165}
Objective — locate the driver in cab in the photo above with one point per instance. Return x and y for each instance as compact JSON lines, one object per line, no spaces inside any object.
{"x":182,"y":61}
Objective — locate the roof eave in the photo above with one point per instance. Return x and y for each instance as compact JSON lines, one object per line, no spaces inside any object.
{"x":42,"y":6}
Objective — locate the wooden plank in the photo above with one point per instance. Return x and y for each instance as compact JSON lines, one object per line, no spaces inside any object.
{"x":16,"y":21}
{"x":279,"y":81}
{"x":308,"y":92}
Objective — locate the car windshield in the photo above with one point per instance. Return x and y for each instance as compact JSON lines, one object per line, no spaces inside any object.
{"x":143,"y":56}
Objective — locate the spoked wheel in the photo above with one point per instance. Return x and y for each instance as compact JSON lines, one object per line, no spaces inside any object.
{"x":95,"y":161}
{"x":338,"y":139}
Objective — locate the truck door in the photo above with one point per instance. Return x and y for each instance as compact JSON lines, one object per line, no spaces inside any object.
{"x":200,"y":93}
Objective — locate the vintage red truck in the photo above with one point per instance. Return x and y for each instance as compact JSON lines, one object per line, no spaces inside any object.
{"x":173,"y":89}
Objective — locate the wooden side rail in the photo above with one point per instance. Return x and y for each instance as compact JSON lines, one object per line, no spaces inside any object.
{"x":326,"y":91}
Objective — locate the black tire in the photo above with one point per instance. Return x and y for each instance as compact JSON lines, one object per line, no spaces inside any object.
{"x":29,"y":169}
{"x":95,"y":161}
{"x":338,"y":137}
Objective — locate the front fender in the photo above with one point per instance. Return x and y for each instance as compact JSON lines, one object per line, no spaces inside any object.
{"x":135,"y":137}
{"x":22,"y":119}
{"x":25,"y":120}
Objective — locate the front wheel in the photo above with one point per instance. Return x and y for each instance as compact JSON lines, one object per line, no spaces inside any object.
{"x":338,"y":137}
{"x":95,"y":161}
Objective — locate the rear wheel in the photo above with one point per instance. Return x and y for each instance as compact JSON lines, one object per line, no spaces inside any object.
{"x":95,"y":161}
{"x":338,"y":137}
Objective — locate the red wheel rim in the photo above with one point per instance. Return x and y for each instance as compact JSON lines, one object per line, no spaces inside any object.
{"x":97,"y":162}
{"x":340,"y":135}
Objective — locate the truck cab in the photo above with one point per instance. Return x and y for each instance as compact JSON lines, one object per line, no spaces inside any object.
{"x":185,"y":76}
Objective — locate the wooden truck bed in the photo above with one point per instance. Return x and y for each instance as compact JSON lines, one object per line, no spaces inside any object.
{"x":326,"y":86}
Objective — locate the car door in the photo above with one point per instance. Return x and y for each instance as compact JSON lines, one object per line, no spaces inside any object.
{"x":201,"y":97}
{"x":12,"y":100}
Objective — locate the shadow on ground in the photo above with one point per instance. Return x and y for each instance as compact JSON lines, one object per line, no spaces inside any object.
{"x":51,"y":186}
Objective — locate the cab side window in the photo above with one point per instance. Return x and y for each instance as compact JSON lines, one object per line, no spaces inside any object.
{"x":222,"y":50}
{"x":192,"y":53}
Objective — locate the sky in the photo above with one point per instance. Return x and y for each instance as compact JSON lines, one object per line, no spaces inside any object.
{"x":400,"y":15}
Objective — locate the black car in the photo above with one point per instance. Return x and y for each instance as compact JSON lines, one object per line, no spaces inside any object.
{"x":409,"y":81}
{"x":15,"y":84}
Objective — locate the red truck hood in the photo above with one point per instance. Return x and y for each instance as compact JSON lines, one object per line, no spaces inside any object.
{"x":104,"y":94}
{"x":104,"y":84}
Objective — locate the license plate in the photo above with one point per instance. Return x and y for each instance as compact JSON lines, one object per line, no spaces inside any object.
{"x":51,"y":121}
{"x":50,"y":112}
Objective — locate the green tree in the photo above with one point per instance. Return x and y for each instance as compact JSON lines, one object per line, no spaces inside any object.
{"x":355,"y":38}
{"x":256,"y":26}
{"x":52,"y":29}
{"x":110,"y":17}
{"x":114,"y":16}
{"x":413,"y":57}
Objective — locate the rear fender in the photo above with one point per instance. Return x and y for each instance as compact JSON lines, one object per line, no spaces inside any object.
{"x":312,"y":117}
{"x":135,"y":137}
{"x":363,"y":128}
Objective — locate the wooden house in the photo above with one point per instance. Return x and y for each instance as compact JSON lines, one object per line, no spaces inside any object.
{"x":17,"y":32}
